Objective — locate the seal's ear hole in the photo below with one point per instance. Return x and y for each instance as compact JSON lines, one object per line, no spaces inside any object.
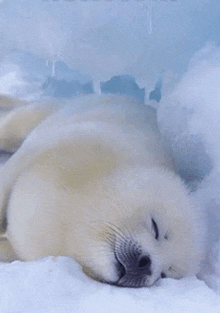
{"x":166,"y":236}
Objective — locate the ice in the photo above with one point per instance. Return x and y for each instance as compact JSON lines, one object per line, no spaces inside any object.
{"x":25,"y":75}
{"x":150,"y":15}
{"x":53,"y":68}
{"x":123,"y":85}
{"x":107,"y":38}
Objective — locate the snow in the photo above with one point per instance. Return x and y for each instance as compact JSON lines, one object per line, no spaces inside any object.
{"x":189,"y":119}
{"x":100,"y":40}
{"x":57,"y":285}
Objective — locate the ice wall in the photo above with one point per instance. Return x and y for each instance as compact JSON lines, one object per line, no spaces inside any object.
{"x":107,"y":38}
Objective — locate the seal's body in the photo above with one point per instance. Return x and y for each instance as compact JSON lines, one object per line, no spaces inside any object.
{"x":91,"y":181}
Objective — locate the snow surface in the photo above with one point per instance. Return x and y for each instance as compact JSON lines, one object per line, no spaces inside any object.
{"x":103,"y":39}
{"x":57,"y":285}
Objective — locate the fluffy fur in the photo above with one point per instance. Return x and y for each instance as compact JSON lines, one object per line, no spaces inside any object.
{"x":91,"y":181}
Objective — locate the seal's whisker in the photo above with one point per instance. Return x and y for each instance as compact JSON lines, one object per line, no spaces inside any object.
{"x":117,"y":231}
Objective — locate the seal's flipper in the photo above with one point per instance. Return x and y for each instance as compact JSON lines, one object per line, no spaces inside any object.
{"x":16,"y":125}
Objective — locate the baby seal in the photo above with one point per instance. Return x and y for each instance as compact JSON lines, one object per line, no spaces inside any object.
{"x":90,"y":180}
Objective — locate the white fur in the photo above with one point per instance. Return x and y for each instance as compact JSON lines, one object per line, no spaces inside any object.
{"x":87,"y":172}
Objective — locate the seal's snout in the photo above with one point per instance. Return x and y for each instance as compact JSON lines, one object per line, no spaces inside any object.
{"x":134,"y":267}
{"x":134,"y":274}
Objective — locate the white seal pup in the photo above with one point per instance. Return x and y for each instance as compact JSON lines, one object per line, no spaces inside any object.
{"x":90,"y":180}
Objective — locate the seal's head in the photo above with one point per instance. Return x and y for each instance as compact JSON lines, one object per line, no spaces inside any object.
{"x":149,"y":233}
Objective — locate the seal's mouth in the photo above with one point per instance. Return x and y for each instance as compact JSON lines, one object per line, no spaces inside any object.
{"x":121,"y":271}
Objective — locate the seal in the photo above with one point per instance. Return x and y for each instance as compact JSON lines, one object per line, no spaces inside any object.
{"x":90,"y":180}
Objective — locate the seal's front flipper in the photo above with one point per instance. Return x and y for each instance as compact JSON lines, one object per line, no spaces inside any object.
{"x":19,"y":122}
{"x":7,"y":253}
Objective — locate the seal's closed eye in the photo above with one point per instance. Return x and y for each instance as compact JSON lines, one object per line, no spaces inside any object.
{"x":155,"y":228}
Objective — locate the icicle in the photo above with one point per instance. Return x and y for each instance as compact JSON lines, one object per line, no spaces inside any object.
{"x":53,"y":68}
{"x":47,"y":63}
{"x":150,"y":12}
{"x":96,"y":86}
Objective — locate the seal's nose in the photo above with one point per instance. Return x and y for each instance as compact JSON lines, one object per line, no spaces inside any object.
{"x":144,"y":264}
{"x":133,"y":272}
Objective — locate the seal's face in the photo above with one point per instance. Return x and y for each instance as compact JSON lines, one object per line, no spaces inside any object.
{"x":137,"y":257}
{"x":156,"y":238}
{"x":133,"y":262}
